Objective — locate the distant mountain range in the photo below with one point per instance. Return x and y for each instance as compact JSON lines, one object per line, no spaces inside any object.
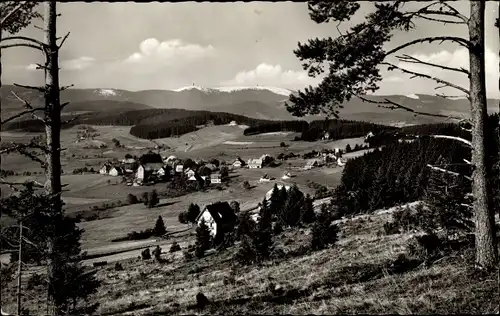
{"x":258,"y":102}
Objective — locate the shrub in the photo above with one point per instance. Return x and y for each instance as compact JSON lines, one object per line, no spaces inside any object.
{"x":235,"y":206}
{"x":153,"y":199}
{"x":146,"y":254}
{"x":192,"y":213}
{"x":175,"y":247}
{"x":282,"y":144}
{"x":183,"y":218}
{"x":118,"y":266}
{"x":246,"y":185}
{"x":246,"y":254}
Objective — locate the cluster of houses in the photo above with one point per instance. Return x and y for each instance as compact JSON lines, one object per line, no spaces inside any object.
{"x":165,"y":168}
{"x":325,"y":157}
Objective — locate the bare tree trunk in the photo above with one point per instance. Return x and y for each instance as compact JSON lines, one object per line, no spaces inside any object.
{"x":52,"y":131}
{"x":19,"y":268}
{"x":486,"y":246}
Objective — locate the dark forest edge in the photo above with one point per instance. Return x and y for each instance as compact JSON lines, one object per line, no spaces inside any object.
{"x":162,"y":123}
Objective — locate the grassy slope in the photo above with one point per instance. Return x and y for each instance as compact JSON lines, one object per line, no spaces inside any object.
{"x":347,"y":278}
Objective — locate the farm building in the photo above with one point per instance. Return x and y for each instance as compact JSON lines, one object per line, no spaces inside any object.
{"x":170,"y":159}
{"x":179,"y":168}
{"x":255,"y":163}
{"x":129,"y":165}
{"x":220,"y":219}
{"x":147,"y":170}
{"x":238,"y":163}
{"x":189,"y":172}
{"x":195,"y":177}
{"x":313,"y":163}
{"x":326,"y":136}
{"x":287,"y":175}
{"x":105,"y":168}
{"x":116,"y":171}
{"x":215,"y":178}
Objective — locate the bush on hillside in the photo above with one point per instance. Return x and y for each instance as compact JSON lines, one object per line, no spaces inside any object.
{"x":324,"y":233}
{"x":175,"y":247}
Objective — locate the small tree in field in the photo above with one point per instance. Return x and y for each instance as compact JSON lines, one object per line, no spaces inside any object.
{"x":153,"y":199}
{"x":192,"y":213}
{"x":132,"y":199}
{"x":159,"y":229}
{"x":145,"y":198}
{"x":246,"y":185}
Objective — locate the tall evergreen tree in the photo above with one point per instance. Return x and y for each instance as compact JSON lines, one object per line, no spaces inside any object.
{"x":263,"y":236}
{"x":159,"y":229}
{"x":193,"y":212}
{"x":323,"y":233}
{"x":275,"y":200}
{"x":290,"y":214}
{"x":245,"y":226}
{"x":307,"y":215}
{"x":153,"y":199}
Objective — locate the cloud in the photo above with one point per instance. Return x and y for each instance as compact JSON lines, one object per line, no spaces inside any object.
{"x":456,"y":59}
{"x":265,"y":74}
{"x":175,"y":51}
{"x":70,"y":64}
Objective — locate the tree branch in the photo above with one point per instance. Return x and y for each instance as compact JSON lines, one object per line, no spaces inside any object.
{"x":448,"y":171}
{"x":63,"y":40}
{"x":41,"y":89}
{"x":410,"y":59}
{"x":35,"y":183}
{"x":20,"y":45}
{"x":463,"y":42}
{"x":23,"y":38}
{"x":459,"y":139}
{"x":417,"y":74}
{"x":11,"y":13}
{"x":66,"y":87}
{"x":21,"y":114}
{"x":389,"y":104}
{"x":438,"y":20}
{"x":30,"y":107}
{"x":62,"y":106}
{"x":457,"y":14}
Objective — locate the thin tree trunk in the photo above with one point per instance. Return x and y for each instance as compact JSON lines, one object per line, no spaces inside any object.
{"x":486,"y":247}
{"x":19,"y":268}
{"x":52,"y":131}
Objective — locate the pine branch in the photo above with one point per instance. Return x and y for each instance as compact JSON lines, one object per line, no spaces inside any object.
{"x":21,"y":114}
{"x":439,"y":20}
{"x":410,"y":59}
{"x":459,"y":139}
{"x":41,"y":89}
{"x":467,"y":161}
{"x":463,"y":42}
{"x":20,"y":45}
{"x":30,"y":107}
{"x":33,"y":182}
{"x":11,"y":13}
{"x":389,"y":104}
{"x":23,"y":38}
{"x":457,"y":13}
{"x":66,"y":87}
{"x":421,"y":75}
{"x":448,"y":171}
{"x":62,"y":106}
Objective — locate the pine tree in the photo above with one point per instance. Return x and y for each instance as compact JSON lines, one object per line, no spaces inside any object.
{"x":275,"y":200}
{"x":445,"y":197}
{"x":290,"y":214}
{"x":263,"y":236}
{"x":159,"y":229}
{"x":153,"y":199}
{"x":323,"y":232}
{"x":246,"y":254}
{"x":235,"y":206}
{"x":193,"y":212}
{"x":203,"y":239}
{"x":307,"y":215}
{"x":245,"y":226}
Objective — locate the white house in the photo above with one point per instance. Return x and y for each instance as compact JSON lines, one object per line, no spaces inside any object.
{"x":340,"y":162}
{"x":215,"y":178}
{"x":189,"y":172}
{"x":255,"y":163}
{"x":238,"y":163}
{"x":326,"y":136}
{"x":286,"y":176}
{"x":312,"y":163}
{"x":115,"y":171}
{"x":105,"y":168}
{"x":179,"y":168}
{"x":219,"y":217}
{"x":162,"y":172}
{"x":146,"y":170}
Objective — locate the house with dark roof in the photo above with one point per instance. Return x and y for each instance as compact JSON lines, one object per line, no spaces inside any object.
{"x":145,"y":171}
{"x":220,"y":219}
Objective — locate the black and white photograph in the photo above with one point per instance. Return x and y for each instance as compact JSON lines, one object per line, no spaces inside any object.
{"x":250,"y":158}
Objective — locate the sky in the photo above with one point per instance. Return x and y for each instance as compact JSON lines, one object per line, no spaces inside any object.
{"x":142,"y":46}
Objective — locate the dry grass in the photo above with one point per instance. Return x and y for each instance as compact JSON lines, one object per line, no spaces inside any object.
{"x":350,"y":278}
